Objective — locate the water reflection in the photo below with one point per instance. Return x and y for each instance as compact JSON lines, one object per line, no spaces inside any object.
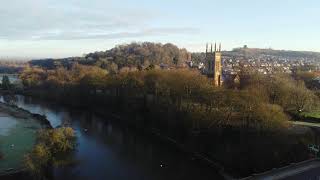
{"x":109,"y":151}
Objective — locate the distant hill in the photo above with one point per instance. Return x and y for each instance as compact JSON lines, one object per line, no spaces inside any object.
{"x":272,"y":52}
{"x":11,"y":66}
{"x":128,"y":55}
{"x":255,"y":52}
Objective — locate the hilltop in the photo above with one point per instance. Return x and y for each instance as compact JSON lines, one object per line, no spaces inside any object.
{"x":272,"y":52}
{"x":134,"y":55}
{"x":245,"y":53}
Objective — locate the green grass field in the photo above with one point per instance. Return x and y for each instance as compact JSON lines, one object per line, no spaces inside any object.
{"x":17,"y":137}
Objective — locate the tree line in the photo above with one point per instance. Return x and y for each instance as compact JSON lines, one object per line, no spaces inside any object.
{"x":260,"y":102}
{"x":133,"y":56}
{"x":184,"y":105}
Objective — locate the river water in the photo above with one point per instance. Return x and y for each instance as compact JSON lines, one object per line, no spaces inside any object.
{"x":109,"y":151}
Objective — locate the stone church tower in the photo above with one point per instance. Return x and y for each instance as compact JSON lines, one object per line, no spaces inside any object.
{"x":213,"y":64}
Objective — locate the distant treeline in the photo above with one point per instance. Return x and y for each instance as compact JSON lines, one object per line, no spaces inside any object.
{"x":11,"y":67}
{"x":134,"y":55}
{"x":10,"y":70}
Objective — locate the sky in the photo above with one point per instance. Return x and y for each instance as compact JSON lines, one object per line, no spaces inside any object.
{"x":63,"y":28}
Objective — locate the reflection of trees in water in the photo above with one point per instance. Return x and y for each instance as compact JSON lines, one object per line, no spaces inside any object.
{"x":66,"y":120}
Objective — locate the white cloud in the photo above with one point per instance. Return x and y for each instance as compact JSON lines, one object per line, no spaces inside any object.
{"x":60,"y":20}
{"x":96,"y":34}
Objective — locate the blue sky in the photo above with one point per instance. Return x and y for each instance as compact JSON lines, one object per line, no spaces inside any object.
{"x":60,"y":28}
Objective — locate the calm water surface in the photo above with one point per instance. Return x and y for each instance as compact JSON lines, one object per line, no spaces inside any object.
{"x":109,"y":151}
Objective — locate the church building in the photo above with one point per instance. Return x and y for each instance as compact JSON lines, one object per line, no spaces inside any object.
{"x":213,"y":67}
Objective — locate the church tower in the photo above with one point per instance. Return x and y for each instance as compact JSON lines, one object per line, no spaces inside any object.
{"x":213,"y":64}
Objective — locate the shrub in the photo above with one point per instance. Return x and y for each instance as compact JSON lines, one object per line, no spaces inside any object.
{"x":53,"y":145}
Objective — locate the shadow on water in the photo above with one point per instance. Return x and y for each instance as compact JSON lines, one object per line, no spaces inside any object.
{"x":107,"y":150}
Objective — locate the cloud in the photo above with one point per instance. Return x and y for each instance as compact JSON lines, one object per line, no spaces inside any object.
{"x":76,"y":35}
{"x":60,"y":20}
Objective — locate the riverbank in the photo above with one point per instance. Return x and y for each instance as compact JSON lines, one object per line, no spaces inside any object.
{"x":17,"y":136}
{"x":18,"y":112}
{"x":17,"y":175}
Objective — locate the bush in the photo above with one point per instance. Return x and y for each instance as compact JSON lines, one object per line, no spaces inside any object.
{"x":53,"y":145}
{"x":5,"y":83}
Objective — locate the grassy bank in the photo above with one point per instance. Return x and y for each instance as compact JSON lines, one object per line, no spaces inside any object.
{"x":17,"y":137}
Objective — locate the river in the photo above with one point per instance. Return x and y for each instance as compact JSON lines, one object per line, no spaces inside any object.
{"x":110,"y":151}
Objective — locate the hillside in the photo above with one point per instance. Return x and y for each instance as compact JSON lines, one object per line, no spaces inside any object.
{"x":272,"y":52}
{"x":256,"y":53}
{"x":137,"y":55}
{"x":11,"y":66}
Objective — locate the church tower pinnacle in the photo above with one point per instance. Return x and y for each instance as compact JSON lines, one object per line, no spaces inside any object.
{"x":213,"y":64}
{"x":215,"y":47}
{"x":207,"y":48}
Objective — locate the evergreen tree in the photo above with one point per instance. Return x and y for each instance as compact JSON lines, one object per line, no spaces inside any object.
{"x":5,"y":83}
